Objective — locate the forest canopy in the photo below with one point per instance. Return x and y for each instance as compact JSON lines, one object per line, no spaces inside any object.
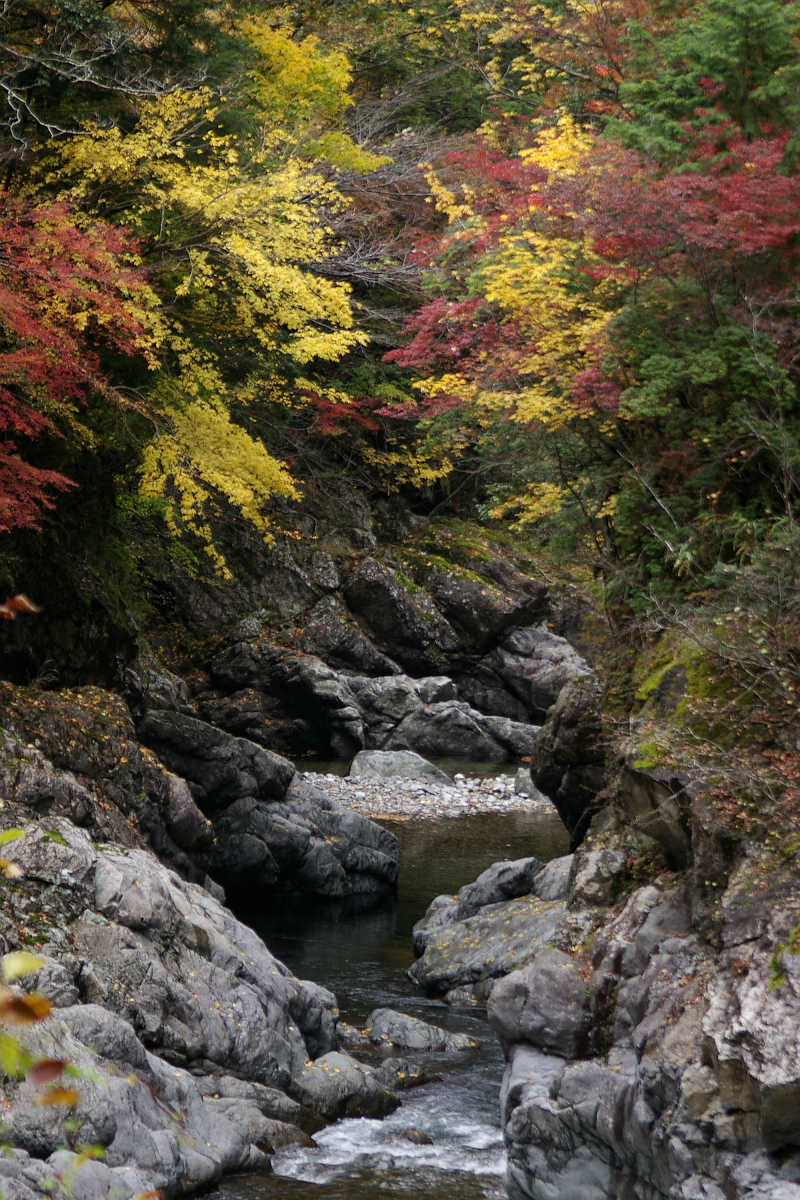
{"x":534,"y":261}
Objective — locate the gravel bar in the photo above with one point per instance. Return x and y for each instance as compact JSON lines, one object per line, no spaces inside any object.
{"x":421,"y":799}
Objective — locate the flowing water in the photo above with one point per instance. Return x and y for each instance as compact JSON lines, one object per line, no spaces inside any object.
{"x":363,"y":957}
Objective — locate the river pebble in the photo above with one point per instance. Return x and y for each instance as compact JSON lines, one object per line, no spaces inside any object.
{"x":420,"y":799}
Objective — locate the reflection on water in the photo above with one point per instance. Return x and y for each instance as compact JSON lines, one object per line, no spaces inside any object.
{"x":363,"y":957}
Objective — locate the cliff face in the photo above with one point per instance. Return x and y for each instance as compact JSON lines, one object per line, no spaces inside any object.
{"x":646,"y":989}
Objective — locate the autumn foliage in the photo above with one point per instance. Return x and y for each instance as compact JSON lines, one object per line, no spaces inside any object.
{"x":539,"y":257}
{"x":67,"y":295}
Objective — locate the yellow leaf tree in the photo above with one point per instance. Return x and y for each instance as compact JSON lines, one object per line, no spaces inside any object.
{"x":231,"y":198}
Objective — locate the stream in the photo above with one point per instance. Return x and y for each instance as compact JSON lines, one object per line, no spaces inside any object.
{"x":363,"y":958}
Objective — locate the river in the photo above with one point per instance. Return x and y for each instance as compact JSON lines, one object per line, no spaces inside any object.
{"x":363,"y":958}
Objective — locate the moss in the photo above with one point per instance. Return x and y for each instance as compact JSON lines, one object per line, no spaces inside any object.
{"x":407,"y":584}
{"x":685,"y":686}
{"x":422,"y":561}
{"x":649,"y":755}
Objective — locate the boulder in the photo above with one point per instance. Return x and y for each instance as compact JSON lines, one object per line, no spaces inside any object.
{"x":336,"y":1085}
{"x":470,"y":955}
{"x":219,"y":768}
{"x":395,"y":764}
{"x":534,"y":664}
{"x":568,"y":759}
{"x":501,"y":881}
{"x":307,"y":845}
{"x":543,"y":1005}
{"x":450,"y":729}
{"x":393,"y":1030}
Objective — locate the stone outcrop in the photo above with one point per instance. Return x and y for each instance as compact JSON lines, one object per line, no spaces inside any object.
{"x":447,"y":664}
{"x":691,"y":1087}
{"x":491,"y":927}
{"x":272,"y":831}
{"x":196,"y":1052}
{"x":568,"y":762}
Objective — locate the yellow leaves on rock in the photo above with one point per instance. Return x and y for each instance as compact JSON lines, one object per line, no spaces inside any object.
{"x":59,"y":1097}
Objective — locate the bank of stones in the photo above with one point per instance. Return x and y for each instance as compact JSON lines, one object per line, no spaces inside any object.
{"x":399,"y":799}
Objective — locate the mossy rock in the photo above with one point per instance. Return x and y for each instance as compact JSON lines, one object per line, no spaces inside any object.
{"x":683,"y":687}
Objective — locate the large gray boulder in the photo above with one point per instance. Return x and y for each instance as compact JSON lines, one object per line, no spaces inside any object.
{"x":396,"y":1031}
{"x":506,"y":880}
{"x":336,"y":1085}
{"x":543,"y":1005}
{"x":465,"y":957}
{"x":540,"y":663}
{"x":395,"y":764}
{"x":272,"y":831}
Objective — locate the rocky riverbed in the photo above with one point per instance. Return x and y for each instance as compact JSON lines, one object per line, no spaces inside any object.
{"x":414,"y":799}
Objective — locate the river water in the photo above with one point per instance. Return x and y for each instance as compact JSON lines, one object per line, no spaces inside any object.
{"x":363,"y":958}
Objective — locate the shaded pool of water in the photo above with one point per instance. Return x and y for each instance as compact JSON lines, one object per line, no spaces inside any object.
{"x":363,"y":957}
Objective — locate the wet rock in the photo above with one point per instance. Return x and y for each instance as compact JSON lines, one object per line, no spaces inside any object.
{"x":398,"y":1074}
{"x":267,"y":1134}
{"x":501,"y":881}
{"x":391,"y":1029}
{"x":416,"y":1136}
{"x":338,"y":1086}
{"x":472,"y":954}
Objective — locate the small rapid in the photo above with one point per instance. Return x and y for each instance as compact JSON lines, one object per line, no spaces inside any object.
{"x":444,"y":1142}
